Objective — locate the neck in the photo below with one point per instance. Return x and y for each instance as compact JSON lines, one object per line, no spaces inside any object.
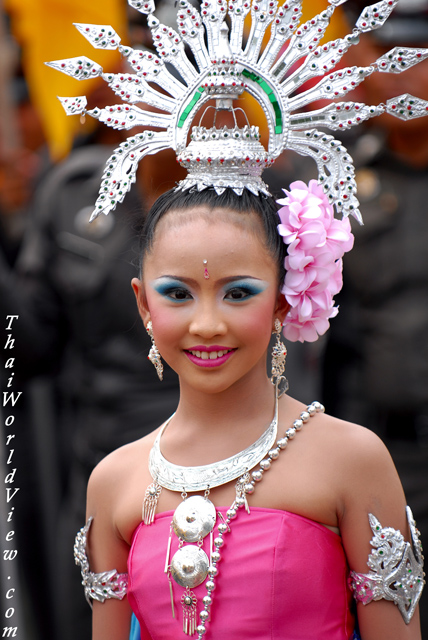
{"x":217,"y":425}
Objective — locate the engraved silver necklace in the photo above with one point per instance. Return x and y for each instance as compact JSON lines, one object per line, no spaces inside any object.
{"x":189,"y":479}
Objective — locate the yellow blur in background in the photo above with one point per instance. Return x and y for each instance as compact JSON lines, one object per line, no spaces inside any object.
{"x":44,"y":30}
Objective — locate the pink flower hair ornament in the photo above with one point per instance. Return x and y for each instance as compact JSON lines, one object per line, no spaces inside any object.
{"x":316,"y":243}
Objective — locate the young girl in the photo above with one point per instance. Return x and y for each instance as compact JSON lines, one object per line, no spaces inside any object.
{"x":210,"y":293}
{"x":247,"y":514}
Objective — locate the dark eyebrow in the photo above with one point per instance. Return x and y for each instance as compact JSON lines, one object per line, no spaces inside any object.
{"x":191,"y":281}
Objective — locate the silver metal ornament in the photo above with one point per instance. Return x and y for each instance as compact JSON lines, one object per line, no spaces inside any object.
{"x":226,"y":63}
{"x":150,"y":502}
{"x":189,"y":566}
{"x":194,"y":519}
{"x":188,"y":604}
{"x":396,"y":571}
{"x":279,"y":355}
{"x":174,"y":477}
{"x":154,"y":355}
{"x":97,"y":586}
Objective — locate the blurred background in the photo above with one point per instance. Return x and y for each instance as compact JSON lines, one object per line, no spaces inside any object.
{"x":81,"y":350}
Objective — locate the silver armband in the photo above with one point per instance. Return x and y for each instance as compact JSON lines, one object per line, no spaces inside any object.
{"x":396,"y":571}
{"x":98,"y":586}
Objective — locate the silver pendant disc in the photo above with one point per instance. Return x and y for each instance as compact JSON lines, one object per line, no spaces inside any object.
{"x":194,"y":518}
{"x":189,"y":566}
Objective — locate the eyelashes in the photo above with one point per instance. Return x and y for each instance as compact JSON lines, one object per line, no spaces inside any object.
{"x":236,"y":291}
{"x":172,"y":290}
{"x":243,"y":290}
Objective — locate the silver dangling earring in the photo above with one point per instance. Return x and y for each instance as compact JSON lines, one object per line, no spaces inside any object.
{"x":279,"y":354}
{"x":154,"y":355}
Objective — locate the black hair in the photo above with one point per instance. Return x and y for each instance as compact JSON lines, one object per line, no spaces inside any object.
{"x":264,"y":207}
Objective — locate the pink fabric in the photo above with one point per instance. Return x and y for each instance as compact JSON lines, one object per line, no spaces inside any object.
{"x":281,"y":576}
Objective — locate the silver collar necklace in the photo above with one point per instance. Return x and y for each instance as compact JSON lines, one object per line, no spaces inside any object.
{"x":189,"y":479}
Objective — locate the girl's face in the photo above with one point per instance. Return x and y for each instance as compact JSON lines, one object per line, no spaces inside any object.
{"x":212,"y":331}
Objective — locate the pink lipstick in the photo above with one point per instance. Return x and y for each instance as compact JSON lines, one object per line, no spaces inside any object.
{"x":213,"y":356}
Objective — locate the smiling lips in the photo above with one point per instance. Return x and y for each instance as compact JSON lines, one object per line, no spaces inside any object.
{"x":209,"y":356}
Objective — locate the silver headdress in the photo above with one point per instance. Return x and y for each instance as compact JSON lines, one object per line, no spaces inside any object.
{"x":203,"y":60}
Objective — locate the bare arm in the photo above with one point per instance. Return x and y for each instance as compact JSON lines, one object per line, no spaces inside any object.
{"x":107,"y":550}
{"x":371,"y":485}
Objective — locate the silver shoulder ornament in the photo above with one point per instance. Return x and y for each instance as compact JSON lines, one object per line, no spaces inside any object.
{"x":98,"y":586}
{"x":396,"y":571}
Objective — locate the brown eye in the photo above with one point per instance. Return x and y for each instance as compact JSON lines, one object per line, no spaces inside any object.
{"x":179,"y":294}
{"x":238,"y":293}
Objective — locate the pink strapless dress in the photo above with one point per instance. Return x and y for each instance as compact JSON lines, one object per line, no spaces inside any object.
{"x":281,"y":577}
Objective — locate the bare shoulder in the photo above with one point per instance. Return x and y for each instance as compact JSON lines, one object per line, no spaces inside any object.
{"x":352,"y":443}
{"x":364,"y":471}
{"x":358,"y":463}
{"x":346,"y":455}
{"x":116,"y":472}
{"x":339,"y":439}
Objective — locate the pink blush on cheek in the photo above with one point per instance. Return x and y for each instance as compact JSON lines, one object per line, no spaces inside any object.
{"x":258,"y":321}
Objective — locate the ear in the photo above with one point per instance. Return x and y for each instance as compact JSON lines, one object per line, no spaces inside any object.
{"x":140,"y":296}
{"x":282,"y":307}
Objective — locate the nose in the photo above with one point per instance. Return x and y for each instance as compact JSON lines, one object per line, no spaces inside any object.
{"x":207,"y":321}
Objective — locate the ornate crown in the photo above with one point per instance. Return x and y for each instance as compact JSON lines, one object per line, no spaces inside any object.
{"x":205,"y":60}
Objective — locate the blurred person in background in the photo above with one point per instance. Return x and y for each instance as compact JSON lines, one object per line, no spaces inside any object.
{"x":78,"y":346}
{"x":376,"y":358}
{"x":23,"y":160}
{"x":21,"y":167}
